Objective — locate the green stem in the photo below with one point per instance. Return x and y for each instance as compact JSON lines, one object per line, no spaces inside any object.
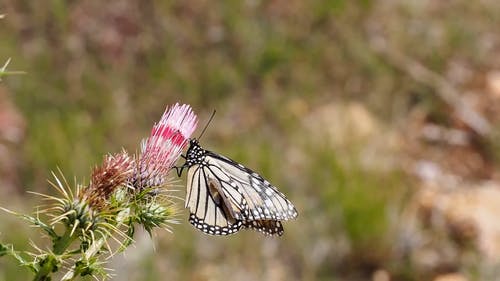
{"x":50,"y":263}
{"x":93,"y":250}
{"x":76,"y":270}
{"x":63,"y":242}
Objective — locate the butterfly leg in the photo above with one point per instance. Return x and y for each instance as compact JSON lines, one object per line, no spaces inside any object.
{"x":179,"y":170}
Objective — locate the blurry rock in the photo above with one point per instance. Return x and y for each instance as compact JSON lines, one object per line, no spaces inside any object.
{"x":450,"y":277}
{"x":469,"y":215}
{"x":12,"y":130}
{"x":381,"y":275}
{"x":493,"y":83}
{"x":342,"y":124}
{"x":351,"y":130}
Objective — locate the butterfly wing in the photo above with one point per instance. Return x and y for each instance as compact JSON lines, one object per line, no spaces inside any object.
{"x":268,"y":227}
{"x":263,"y":200}
{"x":210,"y":210}
{"x":229,"y":190}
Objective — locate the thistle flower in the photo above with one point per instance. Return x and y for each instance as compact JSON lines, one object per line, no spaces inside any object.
{"x":161,"y":150}
{"x":114,"y":172}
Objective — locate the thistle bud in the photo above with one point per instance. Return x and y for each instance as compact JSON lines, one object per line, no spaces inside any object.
{"x":153,"y":214}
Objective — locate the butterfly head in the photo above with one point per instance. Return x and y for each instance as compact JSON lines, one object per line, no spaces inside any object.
{"x":193,"y":142}
{"x":195,"y":153}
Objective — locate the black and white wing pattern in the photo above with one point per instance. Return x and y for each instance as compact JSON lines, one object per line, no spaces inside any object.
{"x":223,"y":196}
{"x":210,"y":210}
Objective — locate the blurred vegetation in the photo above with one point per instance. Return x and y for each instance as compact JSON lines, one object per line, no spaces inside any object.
{"x":98,"y":75}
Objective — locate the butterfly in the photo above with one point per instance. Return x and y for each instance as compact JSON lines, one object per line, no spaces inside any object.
{"x":224,"y":196}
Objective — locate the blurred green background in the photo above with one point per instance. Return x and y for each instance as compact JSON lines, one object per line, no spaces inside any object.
{"x":351,"y":108}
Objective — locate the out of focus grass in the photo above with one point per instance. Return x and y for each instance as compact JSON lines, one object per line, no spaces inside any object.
{"x":98,"y":75}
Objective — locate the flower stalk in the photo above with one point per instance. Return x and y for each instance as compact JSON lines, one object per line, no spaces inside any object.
{"x":52,"y":262}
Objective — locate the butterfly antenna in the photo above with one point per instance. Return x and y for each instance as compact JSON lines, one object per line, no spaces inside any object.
{"x":206,"y":126}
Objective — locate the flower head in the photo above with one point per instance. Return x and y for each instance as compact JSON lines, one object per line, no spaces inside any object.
{"x":114,"y":171}
{"x":161,"y":150}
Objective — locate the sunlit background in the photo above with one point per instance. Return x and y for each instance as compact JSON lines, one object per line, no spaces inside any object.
{"x":379,"y":119}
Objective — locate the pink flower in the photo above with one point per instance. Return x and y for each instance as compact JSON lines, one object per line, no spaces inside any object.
{"x":161,"y":150}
